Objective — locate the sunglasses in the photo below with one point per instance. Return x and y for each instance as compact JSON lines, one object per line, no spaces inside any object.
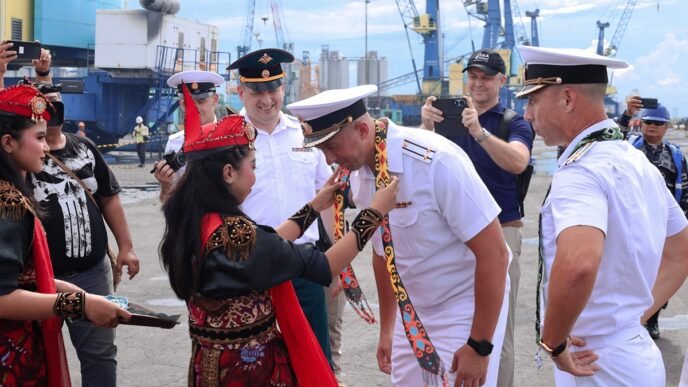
{"x":653,"y":122}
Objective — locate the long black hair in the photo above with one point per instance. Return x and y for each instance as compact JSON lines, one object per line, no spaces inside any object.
{"x":15,"y":125}
{"x":200,"y":191}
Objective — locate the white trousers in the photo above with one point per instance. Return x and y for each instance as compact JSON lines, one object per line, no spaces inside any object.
{"x":684,"y":373}
{"x":448,"y":331}
{"x":630,"y":358}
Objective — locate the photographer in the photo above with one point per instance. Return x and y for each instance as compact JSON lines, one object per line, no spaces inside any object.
{"x":498,"y":162}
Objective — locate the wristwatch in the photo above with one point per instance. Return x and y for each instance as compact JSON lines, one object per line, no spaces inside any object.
{"x":483,"y":348}
{"x":556,"y":351}
{"x":484,"y":136}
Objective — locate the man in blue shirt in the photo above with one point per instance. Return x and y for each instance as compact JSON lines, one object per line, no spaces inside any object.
{"x":497,"y":162}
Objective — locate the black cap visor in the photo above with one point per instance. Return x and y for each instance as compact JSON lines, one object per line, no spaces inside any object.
{"x":486,"y":69}
{"x":264,"y":86}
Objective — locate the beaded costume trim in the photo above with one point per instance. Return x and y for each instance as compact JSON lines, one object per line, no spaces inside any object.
{"x":237,"y":238}
{"x":13,"y":204}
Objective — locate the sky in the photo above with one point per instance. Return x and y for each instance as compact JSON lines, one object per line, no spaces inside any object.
{"x":655,"y":43}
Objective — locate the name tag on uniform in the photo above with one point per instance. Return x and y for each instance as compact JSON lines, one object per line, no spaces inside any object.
{"x":302,"y":149}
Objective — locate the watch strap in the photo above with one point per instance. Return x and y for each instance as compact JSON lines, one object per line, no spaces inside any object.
{"x":482,"y":348}
{"x":556,"y":351}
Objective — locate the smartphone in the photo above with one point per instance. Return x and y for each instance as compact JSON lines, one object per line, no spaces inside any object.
{"x":451,"y":108}
{"x":26,"y":50}
{"x":649,"y":103}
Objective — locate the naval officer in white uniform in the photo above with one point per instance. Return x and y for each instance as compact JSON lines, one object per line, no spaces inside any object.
{"x":450,"y":250}
{"x":604,"y":227}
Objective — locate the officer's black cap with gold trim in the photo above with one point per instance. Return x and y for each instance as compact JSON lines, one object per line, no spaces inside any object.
{"x":562,"y":66}
{"x":201,"y":84}
{"x":324,"y":115}
{"x":261,"y":70}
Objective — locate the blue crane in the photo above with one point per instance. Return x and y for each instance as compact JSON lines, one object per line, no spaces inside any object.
{"x":534,"y":35}
{"x":621,"y":28}
{"x":600,"y":37}
{"x":614,"y":44}
{"x":247,"y":36}
{"x":427,"y":25}
{"x":280,"y":30}
{"x":522,"y":37}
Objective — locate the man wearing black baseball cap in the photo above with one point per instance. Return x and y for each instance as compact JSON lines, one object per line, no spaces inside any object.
{"x":487,"y":60}
{"x":499,"y":145}
{"x":287,"y":174}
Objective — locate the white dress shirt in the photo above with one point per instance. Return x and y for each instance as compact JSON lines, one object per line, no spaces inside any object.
{"x":444,"y":203}
{"x":614,"y":188}
{"x":287,"y":176}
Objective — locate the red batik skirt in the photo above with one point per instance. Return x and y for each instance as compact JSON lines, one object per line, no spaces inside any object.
{"x":251,"y":365}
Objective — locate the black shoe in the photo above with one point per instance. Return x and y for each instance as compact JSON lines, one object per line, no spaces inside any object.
{"x":140,"y":165}
{"x":653,"y":329}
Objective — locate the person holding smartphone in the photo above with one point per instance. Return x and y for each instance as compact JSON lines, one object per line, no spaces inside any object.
{"x":498,"y":162}
{"x":76,"y":229}
{"x":41,"y":64}
{"x":664,"y":155}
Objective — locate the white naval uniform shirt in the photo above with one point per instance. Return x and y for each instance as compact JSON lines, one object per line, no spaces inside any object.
{"x":614,"y":188}
{"x":447,"y":204}
{"x":287,"y":176}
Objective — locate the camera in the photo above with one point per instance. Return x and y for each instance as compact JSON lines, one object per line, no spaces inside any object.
{"x":48,"y":88}
{"x":175,"y":160}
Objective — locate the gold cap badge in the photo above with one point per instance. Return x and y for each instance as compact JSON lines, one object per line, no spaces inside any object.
{"x":265,"y":59}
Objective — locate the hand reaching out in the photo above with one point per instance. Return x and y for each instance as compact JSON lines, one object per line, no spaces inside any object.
{"x":325,"y":197}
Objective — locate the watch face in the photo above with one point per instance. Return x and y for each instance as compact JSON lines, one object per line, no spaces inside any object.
{"x":483,"y":348}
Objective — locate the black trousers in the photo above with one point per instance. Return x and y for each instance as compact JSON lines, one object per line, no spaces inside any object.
{"x":141,"y":150}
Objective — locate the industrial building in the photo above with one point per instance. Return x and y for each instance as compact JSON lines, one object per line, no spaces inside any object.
{"x":121,"y":58}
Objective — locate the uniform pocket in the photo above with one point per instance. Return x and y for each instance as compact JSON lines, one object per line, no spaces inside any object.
{"x":302,"y":168}
{"x":402,"y":222}
{"x":303,"y":157}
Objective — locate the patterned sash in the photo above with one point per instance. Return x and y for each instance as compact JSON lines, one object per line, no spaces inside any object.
{"x":352,"y":290}
{"x":434,"y":371}
{"x":581,"y":148}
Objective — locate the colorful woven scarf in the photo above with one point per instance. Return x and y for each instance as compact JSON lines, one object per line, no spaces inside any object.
{"x":606,"y":134}
{"x":434,"y":371}
{"x":352,"y":290}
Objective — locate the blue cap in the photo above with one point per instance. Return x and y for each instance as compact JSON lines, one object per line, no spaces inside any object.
{"x":659,"y":114}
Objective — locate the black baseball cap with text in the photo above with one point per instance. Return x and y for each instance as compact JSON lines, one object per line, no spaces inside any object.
{"x":488,"y":61}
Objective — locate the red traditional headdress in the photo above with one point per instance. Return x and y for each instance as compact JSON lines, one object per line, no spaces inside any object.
{"x":25,"y":100}
{"x":231,"y":130}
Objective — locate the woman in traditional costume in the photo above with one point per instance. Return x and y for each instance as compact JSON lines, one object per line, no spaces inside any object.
{"x":245,"y":323}
{"x":32,"y":302}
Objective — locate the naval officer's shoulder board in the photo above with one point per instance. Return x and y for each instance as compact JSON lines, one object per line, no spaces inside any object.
{"x":417,"y":150}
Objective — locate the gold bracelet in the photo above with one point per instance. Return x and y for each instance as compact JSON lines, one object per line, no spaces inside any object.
{"x":70,"y":305}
